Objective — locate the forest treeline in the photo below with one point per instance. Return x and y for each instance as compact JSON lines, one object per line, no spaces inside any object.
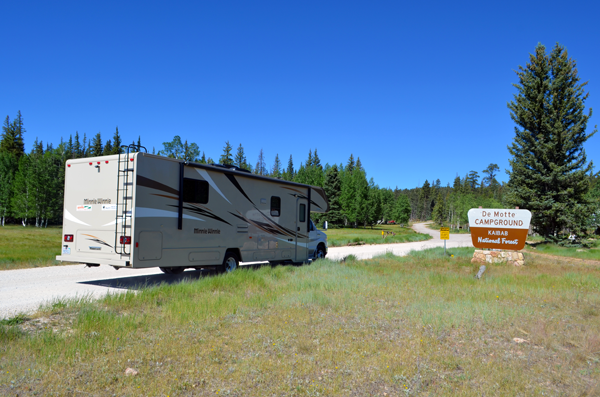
{"x":32,"y":184}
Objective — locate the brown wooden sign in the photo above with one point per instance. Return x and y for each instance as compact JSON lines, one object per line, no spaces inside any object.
{"x":499,"y":228}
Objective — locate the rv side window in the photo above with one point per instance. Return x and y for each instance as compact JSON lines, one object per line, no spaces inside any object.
{"x":195,"y":191}
{"x":302,"y":215}
{"x":275,"y":206}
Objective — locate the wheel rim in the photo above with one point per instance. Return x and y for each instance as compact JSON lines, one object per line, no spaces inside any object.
{"x":320,"y":254}
{"x":230,"y":264}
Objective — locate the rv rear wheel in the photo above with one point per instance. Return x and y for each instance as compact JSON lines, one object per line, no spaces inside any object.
{"x":172,"y":270}
{"x":230,"y":262}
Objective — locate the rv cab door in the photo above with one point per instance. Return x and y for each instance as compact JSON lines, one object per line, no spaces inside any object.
{"x":301,"y":251}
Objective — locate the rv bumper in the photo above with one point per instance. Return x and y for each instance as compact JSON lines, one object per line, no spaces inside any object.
{"x":83,"y":259}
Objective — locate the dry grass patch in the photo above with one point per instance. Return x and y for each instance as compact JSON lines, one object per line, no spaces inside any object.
{"x":419,"y":325}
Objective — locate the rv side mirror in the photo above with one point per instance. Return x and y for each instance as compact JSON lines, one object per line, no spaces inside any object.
{"x":325,"y":225}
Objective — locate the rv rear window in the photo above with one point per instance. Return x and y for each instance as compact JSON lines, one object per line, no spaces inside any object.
{"x":195,"y":191}
{"x":275,"y":206}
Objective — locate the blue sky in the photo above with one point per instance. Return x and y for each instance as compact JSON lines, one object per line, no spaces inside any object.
{"x":417,"y":91}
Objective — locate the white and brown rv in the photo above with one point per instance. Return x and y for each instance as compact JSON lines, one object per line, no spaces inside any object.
{"x":140,"y":210}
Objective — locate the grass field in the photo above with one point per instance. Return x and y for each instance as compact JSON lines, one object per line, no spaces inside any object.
{"x":390,"y":326}
{"x":348,"y":236}
{"x":24,"y":247}
{"x":592,"y":253}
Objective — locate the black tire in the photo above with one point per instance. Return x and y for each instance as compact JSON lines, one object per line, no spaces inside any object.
{"x":230,"y":262}
{"x":320,"y":253}
{"x":172,"y":270}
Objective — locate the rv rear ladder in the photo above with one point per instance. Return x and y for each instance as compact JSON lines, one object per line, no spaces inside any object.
{"x":124,"y":199}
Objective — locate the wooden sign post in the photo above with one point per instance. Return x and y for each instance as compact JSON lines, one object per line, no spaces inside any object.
{"x":499,"y":228}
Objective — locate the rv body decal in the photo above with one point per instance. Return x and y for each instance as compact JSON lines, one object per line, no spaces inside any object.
{"x":144,"y":212}
{"x":72,"y":218}
{"x":97,"y":240}
{"x":208,"y":179}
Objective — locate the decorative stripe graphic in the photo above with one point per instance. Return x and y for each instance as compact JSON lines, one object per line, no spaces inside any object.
{"x":70,"y":217}
{"x":231,"y":177}
{"x":97,"y":240}
{"x":208,"y":179}
{"x":305,"y":198}
{"x":273,"y":228}
{"x":152,"y":184}
{"x":144,"y":212}
{"x":201,"y":211}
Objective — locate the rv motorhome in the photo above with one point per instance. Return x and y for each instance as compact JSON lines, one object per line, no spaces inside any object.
{"x":138,"y":210}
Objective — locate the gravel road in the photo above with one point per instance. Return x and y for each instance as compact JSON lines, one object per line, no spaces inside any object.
{"x":24,"y":290}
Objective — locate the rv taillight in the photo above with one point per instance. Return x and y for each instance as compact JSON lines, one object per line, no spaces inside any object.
{"x":68,"y":238}
{"x":125,"y":240}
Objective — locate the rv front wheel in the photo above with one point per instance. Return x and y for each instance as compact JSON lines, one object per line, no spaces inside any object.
{"x":172,"y":270}
{"x":320,"y":253}
{"x":230,"y":262}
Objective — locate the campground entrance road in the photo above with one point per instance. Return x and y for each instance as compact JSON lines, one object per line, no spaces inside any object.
{"x":24,"y":290}
{"x":369,"y":251}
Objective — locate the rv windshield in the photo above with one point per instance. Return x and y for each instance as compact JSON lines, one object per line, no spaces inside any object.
{"x":312,"y":226}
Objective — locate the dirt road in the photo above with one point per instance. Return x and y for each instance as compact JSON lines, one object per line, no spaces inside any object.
{"x":24,"y":290}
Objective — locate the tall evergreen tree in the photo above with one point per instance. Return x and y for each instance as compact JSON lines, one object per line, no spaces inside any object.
{"x":77,"y":152}
{"x":549,"y":164}
{"x":333,"y":189}
{"x":108,"y":148}
{"x":289,"y":172}
{"x":12,"y":136}
{"x":240,"y":158}
{"x":276,"y":171}
{"x":261,"y":166}
{"x":117,"y":143}
{"x":8,"y":165}
{"x":226,"y":157}
{"x":97,"y":148}
{"x":402,"y":209}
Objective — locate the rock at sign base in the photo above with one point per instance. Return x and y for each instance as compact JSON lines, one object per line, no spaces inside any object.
{"x":130,"y":372}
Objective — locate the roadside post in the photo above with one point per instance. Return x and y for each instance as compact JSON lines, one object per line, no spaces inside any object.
{"x":445,"y":235}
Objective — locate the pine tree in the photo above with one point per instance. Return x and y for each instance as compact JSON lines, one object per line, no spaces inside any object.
{"x":289,"y":172}
{"x":21,"y":193}
{"x":333,"y":189}
{"x":549,"y":164}
{"x":85,"y":147}
{"x":97,"y":148}
{"x":108,"y":148}
{"x":77,"y":152}
{"x":226,"y":158}
{"x":69,"y":148}
{"x":439,"y":211}
{"x":12,"y":136}
{"x":276,"y":171}
{"x":240,"y":158}
{"x":261,"y":166}
{"x":117,"y":142}
{"x":8,"y":165}
{"x":402,"y":210}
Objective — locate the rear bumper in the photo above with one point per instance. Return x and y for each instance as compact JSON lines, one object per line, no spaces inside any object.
{"x":100,"y":261}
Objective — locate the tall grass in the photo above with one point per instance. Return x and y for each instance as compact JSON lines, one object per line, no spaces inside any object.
{"x":420,"y":324}
{"x":23,"y":247}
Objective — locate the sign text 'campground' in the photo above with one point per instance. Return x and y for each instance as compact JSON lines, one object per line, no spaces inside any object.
{"x":499,"y":229}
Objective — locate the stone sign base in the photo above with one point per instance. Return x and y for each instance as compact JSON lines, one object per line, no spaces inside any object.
{"x":511,"y":257}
